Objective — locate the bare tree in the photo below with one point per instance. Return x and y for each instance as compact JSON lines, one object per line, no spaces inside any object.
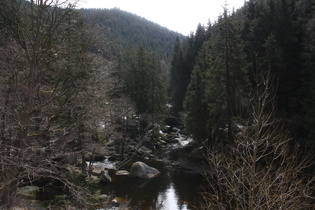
{"x":261,"y":169}
{"x":45,"y":84}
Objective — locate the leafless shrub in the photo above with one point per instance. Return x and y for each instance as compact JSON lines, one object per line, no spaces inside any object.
{"x":262,"y":168}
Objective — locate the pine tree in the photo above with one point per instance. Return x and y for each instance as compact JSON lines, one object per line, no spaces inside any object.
{"x":141,"y":75}
{"x":176,"y":82}
{"x":157,"y":89}
{"x":141,"y":83}
{"x":183,"y":62}
{"x":199,"y":38}
{"x":226,"y":77}
{"x":194,"y":104}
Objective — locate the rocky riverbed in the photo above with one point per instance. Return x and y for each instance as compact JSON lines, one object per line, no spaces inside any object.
{"x":172,"y":171}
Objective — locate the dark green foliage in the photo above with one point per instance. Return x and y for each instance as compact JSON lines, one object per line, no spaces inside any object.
{"x":184,"y":55}
{"x":157,"y":87}
{"x":122,"y":28}
{"x":195,"y":105}
{"x":226,"y":77}
{"x":219,"y":82}
{"x":264,"y":37}
{"x":278,"y":18}
{"x":278,"y":30}
{"x":177,"y":89}
{"x":143,"y":80}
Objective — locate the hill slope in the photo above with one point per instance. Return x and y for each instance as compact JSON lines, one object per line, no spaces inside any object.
{"x":123,"y":28}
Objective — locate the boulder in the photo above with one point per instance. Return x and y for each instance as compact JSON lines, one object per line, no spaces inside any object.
{"x":96,"y":171}
{"x":142,"y":170}
{"x":105,"y":178}
{"x":122,"y":173}
{"x":145,"y":150}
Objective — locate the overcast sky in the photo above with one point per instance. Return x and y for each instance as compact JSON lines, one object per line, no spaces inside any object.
{"x":178,"y":15}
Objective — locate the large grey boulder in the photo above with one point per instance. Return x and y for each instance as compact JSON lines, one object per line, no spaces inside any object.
{"x":142,"y":170}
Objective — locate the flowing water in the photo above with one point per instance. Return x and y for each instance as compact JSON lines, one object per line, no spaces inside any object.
{"x":176,"y":188}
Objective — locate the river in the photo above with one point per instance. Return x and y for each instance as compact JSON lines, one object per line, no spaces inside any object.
{"x":176,"y":188}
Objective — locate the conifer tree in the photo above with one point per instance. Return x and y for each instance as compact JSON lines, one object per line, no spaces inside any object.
{"x":141,"y":83}
{"x":176,"y":82}
{"x":126,"y":69}
{"x":226,"y":77}
{"x":199,"y":39}
{"x":141,"y":74}
{"x":157,"y":88}
{"x":182,"y":66}
{"x":195,"y":104}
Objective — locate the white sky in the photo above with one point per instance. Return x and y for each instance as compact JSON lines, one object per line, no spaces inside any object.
{"x":178,"y":15}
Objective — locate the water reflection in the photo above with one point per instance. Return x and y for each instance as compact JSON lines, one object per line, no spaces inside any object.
{"x":174,"y":188}
{"x":169,"y":200}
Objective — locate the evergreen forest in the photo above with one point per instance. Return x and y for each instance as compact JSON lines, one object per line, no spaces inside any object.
{"x":79,"y":87}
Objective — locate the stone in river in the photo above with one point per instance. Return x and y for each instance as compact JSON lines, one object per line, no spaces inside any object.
{"x":142,"y":170}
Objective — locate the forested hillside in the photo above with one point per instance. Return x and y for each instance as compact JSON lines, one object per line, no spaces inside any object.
{"x":244,"y":87}
{"x":214,"y":70}
{"x":122,"y":28}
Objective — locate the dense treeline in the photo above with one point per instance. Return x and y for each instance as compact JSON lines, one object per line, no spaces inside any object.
{"x":182,"y":64}
{"x":246,"y":96}
{"x":263,"y":37}
{"x":122,"y":28}
{"x":144,"y":82}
